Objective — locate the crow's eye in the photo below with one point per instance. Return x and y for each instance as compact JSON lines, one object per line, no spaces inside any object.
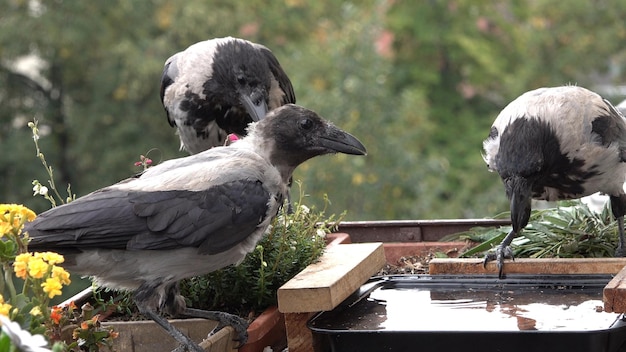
{"x":306,"y":124}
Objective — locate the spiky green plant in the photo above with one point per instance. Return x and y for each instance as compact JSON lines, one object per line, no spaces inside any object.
{"x":570,"y":230}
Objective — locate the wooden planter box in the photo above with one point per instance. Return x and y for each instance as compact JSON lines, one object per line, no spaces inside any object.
{"x":410,"y":231}
{"x":146,"y":335}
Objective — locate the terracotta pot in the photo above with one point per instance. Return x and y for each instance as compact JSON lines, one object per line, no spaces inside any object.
{"x":268,"y":329}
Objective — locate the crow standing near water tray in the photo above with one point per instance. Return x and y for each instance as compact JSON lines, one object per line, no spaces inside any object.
{"x":188,"y":216}
{"x":554,"y":144}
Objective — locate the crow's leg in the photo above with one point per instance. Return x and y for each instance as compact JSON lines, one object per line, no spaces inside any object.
{"x":503,"y":250}
{"x":618,"y":207}
{"x":175,"y":333}
{"x":289,"y":204}
{"x":170,"y":302}
{"x":224,"y":319}
{"x":620,"y":251}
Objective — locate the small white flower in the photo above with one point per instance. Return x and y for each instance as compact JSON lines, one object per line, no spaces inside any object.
{"x":304,"y":209}
{"x":22,"y":339}
{"x":40,"y":189}
{"x":320,"y":233}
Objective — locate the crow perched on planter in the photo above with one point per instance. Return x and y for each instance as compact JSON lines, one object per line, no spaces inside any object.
{"x":189,"y":216}
{"x":553,"y":144}
{"x":219,"y":86}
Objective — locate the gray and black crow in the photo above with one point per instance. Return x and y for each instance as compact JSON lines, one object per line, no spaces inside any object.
{"x":219,"y":86}
{"x":187,"y":216}
{"x":553,"y":144}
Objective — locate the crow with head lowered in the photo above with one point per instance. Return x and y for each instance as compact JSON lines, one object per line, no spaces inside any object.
{"x":219,"y":86}
{"x":553,"y":144}
{"x":188,"y":216}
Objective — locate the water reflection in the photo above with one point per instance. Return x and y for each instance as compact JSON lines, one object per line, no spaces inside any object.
{"x":436,"y":309}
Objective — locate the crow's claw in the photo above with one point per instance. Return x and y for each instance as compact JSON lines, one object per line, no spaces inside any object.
{"x":223,"y":319}
{"x":501,"y":252}
{"x":181,"y":348}
{"x":239,"y":324}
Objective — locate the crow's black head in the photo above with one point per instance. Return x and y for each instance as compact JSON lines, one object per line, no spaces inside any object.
{"x":241,"y":80}
{"x":294,"y":134}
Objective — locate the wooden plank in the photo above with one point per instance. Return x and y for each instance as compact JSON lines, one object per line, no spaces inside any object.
{"x":323,"y":285}
{"x":614,"y":294}
{"x":528,"y":266}
{"x":299,"y":336}
{"x":146,"y":335}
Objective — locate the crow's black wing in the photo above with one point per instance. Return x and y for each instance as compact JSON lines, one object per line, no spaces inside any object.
{"x":213,"y":220}
{"x":279,"y":74}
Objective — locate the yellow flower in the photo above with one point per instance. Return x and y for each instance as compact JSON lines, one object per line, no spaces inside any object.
{"x":14,"y":216}
{"x":5,"y":209}
{"x":35,"y":311}
{"x":50,"y":257}
{"x":61,"y":274}
{"x":28,"y":214}
{"x":5,"y":228}
{"x":20,"y":265}
{"x":52,"y":287}
{"x":37,"y":268}
{"x":17,"y":209}
{"x":5,"y":308}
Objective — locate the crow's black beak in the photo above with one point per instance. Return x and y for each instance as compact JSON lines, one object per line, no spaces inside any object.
{"x":255,"y":105}
{"x":342,"y":142}
{"x":518,"y":189}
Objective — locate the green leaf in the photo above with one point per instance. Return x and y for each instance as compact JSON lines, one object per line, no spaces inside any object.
{"x":5,"y":342}
{"x":485,"y":246}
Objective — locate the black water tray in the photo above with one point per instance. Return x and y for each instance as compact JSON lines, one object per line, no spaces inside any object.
{"x":473,"y":313}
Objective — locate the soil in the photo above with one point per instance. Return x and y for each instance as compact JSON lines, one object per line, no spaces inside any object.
{"x":408,"y":265}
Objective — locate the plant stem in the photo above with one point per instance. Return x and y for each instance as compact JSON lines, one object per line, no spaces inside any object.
{"x":8,"y":281}
{"x":46,"y":166}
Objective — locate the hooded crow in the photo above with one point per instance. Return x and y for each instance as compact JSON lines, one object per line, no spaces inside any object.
{"x":219,"y":86}
{"x":187,"y":216}
{"x":554,"y":144}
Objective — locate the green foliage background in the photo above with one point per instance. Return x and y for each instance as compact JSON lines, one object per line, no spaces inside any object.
{"x":419,"y":82}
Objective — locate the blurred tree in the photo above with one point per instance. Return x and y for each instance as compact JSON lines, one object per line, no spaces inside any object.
{"x":473,"y":57}
{"x":418,"y":82}
{"x":95,"y":92}
{"x":348,"y":84}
